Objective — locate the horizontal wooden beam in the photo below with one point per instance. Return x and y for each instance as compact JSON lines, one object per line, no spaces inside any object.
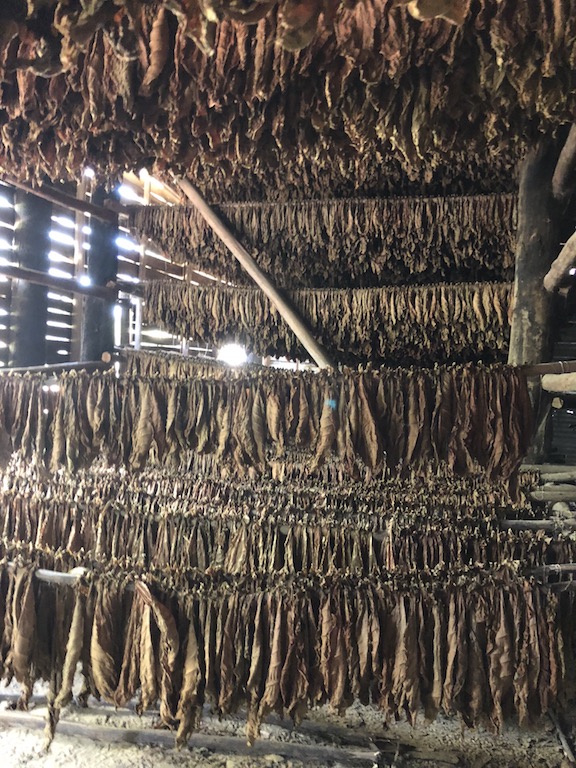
{"x":65,"y":200}
{"x":58,"y":367}
{"x":556,"y":366}
{"x":538,"y":525}
{"x":559,"y":382}
{"x":548,"y":468}
{"x":71,"y":285}
{"x":552,"y":493}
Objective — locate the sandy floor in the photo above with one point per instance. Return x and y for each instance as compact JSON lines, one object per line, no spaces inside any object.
{"x":354,"y":740}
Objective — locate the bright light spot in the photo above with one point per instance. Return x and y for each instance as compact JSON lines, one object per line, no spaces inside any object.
{"x":573,"y":271}
{"x":143,"y":173}
{"x":156,"y":333}
{"x":89,"y":173}
{"x":64,"y":221}
{"x":45,"y":410}
{"x":86,"y":246}
{"x":156,"y":255}
{"x":4,"y":262}
{"x":5,"y":203}
{"x":3,"y":345}
{"x":84,"y":280}
{"x":3,"y":312}
{"x":127,"y":278}
{"x":62,"y":352}
{"x":129,"y":194}
{"x":54,"y":387}
{"x":61,"y":237}
{"x":205,"y":274}
{"x":5,"y":245}
{"x":58,"y":273}
{"x":86,"y":230}
{"x":232,"y":354}
{"x":57,"y":324}
{"x":117,"y":325}
{"x":45,"y":388}
{"x":60,"y":297}
{"x":58,"y":257}
{"x":126,"y":244}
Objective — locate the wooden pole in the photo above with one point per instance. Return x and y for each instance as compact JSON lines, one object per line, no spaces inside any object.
{"x":564,"y":178}
{"x":29,"y":303}
{"x":559,"y":366}
{"x":559,"y":382}
{"x":561,"y":265}
{"x":552,"y":493}
{"x":67,"y":201}
{"x":284,"y":307}
{"x":537,"y":242}
{"x":97,"y":328}
{"x":91,"y":365}
{"x":538,"y":525}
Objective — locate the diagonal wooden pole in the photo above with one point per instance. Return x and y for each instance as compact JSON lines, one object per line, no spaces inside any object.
{"x":291,"y":316}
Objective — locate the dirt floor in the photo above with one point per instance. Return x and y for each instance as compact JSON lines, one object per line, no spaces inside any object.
{"x":102,"y":737}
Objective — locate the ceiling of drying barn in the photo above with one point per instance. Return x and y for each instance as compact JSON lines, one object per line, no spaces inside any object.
{"x":310,"y":97}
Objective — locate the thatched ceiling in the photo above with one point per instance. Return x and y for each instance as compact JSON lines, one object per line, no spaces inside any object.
{"x":374,"y":98}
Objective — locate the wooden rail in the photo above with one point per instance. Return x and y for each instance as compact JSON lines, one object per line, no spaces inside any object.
{"x":102,"y":292}
{"x":58,"y":197}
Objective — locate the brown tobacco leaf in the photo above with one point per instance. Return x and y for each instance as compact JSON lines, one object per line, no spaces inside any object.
{"x":24,"y":626}
{"x":73,"y":648}
{"x":148,"y":682}
{"x":129,"y":681}
{"x":190,"y":702}
{"x":168,"y":649}
{"x":104,"y":648}
{"x":328,"y":427}
{"x":159,"y":51}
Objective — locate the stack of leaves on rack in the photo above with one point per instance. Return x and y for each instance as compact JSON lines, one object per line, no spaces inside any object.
{"x":400,"y":325}
{"x":484,"y":643}
{"x":347,"y":243}
{"x":152,"y":521}
{"x":465,"y":416}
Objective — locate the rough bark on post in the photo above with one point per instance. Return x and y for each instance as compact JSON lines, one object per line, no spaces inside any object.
{"x":98,"y":322}
{"x":536,"y":248}
{"x":29,"y":304}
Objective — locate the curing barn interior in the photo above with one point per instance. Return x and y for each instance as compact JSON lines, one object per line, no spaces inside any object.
{"x":287,"y":383}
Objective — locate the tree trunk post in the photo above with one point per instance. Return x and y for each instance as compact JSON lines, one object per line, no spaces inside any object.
{"x":97,"y":333}
{"x":29,"y":303}
{"x":536,"y":248}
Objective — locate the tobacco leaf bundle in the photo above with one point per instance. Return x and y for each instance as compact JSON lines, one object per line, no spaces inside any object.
{"x":284,"y":647}
{"x":402,"y":418}
{"x":353,"y":243}
{"x":374,"y":88}
{"x":400,"y":325}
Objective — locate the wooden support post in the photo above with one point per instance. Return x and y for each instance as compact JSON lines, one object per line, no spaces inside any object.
{"x":29,"y":305}
{"x":284,"y":307}
{"x":564,"y":179}
{"x":102,"y":262}
{"x":537,"y":243}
